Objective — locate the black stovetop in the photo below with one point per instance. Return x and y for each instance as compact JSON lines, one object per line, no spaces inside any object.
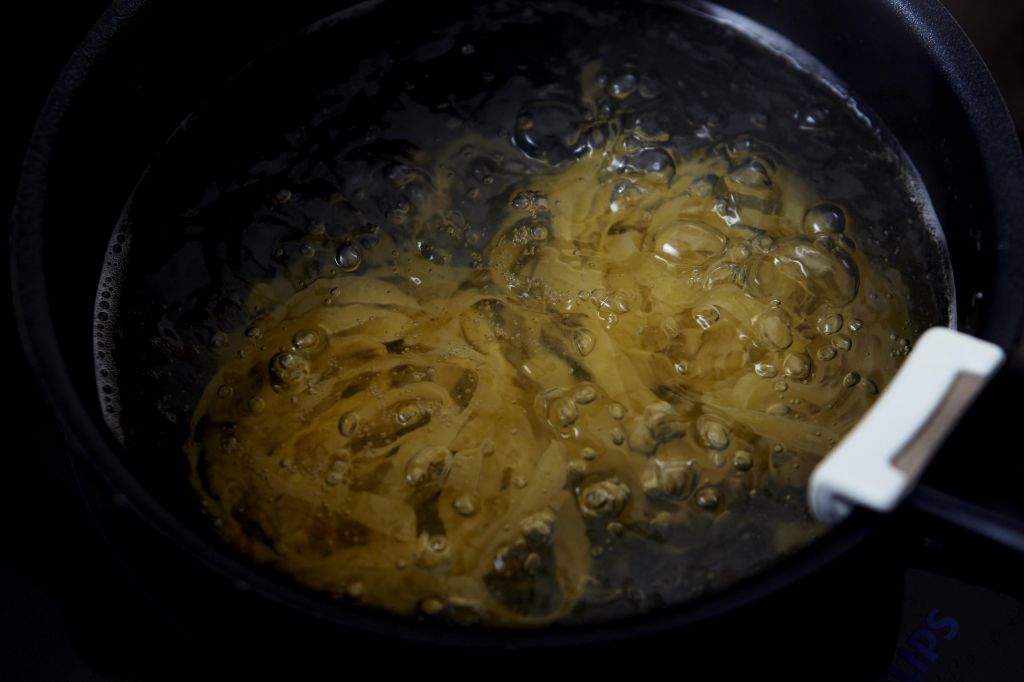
{"x":925,"y":603}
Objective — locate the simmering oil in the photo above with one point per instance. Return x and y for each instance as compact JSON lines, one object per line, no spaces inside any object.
{"x":565,"y":344}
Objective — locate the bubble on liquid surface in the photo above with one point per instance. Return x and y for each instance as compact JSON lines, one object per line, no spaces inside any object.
{"x":660,"y":423}
{"x":349,"y":257}
{"x":803,"y":270}
{"x":824,"y":219}
{"x":812,"y":118}
{"x":584,"y":341}
{"x":307,"y":339}
{"x":830,"y":324}
{"x":797,"y":366}
{"x":607,"y":498}
{"x":622,"y":86}
{"x":708,"y":497}
{"x":562,"y":412}
{"x":747,"y":189}
{"x":652,"y":162}
{"x":713,"y":433}
{"x":287,"y":370}
{"x":428,"y":466}
{"x":773,"y":332}
{"x":743,"y":460}
{"x":686,"y":242}
{"x":349,"y":424}
{"x":549,"y":131}
{"x":409,"y":413}
{"x":842,"y":342}
{"x":584,"y":395}
{"x":705,"y":317}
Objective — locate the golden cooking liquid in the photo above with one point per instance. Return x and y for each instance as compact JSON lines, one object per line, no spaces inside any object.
{"x":652,"y":353}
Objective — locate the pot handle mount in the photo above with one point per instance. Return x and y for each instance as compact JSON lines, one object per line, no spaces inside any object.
{"x":879,"y":462}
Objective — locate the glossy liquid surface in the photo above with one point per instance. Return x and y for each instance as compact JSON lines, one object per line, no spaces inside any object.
{"x":565,"y":346}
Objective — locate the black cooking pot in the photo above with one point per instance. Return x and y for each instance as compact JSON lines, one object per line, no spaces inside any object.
{"x":146,"y":65}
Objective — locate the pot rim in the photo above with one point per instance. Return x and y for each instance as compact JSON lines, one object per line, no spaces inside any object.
{"x":947,"y":46}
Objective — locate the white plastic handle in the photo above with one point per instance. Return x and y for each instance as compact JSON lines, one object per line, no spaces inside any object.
{"x":878,"y":463}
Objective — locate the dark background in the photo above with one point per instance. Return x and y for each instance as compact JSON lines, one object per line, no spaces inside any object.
{"x":68,"y":609}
